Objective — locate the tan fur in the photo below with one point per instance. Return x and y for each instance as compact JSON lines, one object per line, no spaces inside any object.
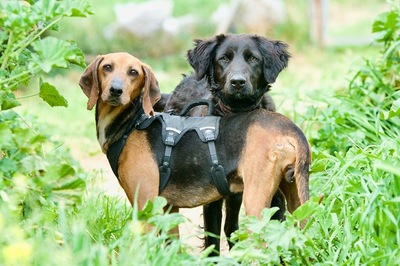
{"x":261,"y":167}
{"x":138,"y":170}
{"x":96,"y":80}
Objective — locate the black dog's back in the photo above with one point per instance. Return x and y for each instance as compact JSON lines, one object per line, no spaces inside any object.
{"x":191,"y":163}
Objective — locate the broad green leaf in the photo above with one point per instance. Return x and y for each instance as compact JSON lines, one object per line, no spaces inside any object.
{"x":78,"y":8}
{"x":50,"y":95}
{"x":6,"y":135}
{"x":8,"y":165}
{"x":18,"y":17}
{"x":52,"y":52}
{"x":47,"y":9}
{"x":307,"y":209}
{"x":76,"y":55}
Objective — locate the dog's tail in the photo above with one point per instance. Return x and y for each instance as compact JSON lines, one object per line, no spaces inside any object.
{"x":302,"y":166}
{"x":296,"y":189}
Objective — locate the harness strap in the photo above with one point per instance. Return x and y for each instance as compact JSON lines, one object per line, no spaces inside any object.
{"x":165,"y":169}
{"x":113,"y":153}
{"x":218,"y":175}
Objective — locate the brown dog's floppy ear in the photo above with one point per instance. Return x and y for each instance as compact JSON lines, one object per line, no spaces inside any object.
{"x":275,"y":56}
{"x":151,"y":93}
{"x":89,"y":82}
{"x":201,"y":56}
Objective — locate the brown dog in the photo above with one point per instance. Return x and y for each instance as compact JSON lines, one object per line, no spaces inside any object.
{"x":268,"y":152}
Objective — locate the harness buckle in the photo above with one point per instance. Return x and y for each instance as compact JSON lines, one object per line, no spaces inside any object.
{"x":209,"y":135}
{"x":170,"y":141}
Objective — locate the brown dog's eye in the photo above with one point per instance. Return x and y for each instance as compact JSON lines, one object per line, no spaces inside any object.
{"x":108,"y":68}
{"x":133,"y":72}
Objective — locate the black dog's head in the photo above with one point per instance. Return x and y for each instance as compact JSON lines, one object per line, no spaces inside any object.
{"x":239,"y":68}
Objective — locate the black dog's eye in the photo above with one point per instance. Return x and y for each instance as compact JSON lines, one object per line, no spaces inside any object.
{"x":224,"y":58}
{"x":253,"y":59}
{"x":133,"y":72}
{"x":108,"y":68}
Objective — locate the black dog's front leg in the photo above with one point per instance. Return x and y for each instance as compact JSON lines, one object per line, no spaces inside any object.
{"x":233,"y":203}
{"x":278,"y":200}
{"x":212,"y":216}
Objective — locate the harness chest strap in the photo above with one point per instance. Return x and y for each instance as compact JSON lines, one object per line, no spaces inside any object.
{"x":165,"y":169}
{"x":218,"y":175}
{"x":115,"y":149}
{"x":171,"y":136}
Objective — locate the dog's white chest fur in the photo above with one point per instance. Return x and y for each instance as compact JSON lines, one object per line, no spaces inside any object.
{"x":103,"y":122}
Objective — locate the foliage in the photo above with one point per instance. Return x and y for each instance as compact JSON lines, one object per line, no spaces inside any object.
{"x":369,"y":110}
{"x":25,"y":52}
{"x":38,"y":177}
{"x":351,"y":219}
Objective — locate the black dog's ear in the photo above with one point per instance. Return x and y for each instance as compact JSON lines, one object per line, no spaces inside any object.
{"x":201,"y":56}
{"x":275,"y":56}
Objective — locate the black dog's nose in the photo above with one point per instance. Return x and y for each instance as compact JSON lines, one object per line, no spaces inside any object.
{"x":115,"y":91}
{"x":238,"y":82}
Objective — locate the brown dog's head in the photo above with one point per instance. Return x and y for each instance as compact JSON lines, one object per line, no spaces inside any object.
{"x":239,"y":67}
{"x":119,"y":78}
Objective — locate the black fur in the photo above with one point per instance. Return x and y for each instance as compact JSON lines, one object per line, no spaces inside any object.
{"x":256,"y":60}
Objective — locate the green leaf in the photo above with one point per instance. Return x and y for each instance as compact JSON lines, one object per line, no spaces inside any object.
{"x":6,"y":134}
{"x":17,"y":16}
{"x":152,"y":208}
{"x":388,"y":165}
{"x":394,"y":111}
{"x":8,"y":165}
{"x":307,"y":209}
{"x":76,"y":55}
{"x":33,"y":163}
{"x":384,"y":26}
{"x":47,"y":9}
{"x":78,"y":8}
{"x":7,"y":101}
{"x":52,"y":52}
{"x":50,"y":95}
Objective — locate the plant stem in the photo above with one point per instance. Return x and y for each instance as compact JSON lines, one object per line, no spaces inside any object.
{"x":6,"y":52}
{"x":27,"y":96}
{"x":37,"y":35}
{"x":26,"y":72}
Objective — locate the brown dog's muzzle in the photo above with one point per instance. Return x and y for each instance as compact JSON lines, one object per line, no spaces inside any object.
{"x":113,"y":96}
{"x":116,"y":87}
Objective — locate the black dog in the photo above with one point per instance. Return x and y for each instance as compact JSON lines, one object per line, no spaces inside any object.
{"x":235,"y":72}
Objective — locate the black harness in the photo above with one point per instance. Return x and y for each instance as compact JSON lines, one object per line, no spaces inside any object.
{"x":173,"y":129}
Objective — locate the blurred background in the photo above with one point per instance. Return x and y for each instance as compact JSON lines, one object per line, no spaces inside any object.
{"x":161,"y":31}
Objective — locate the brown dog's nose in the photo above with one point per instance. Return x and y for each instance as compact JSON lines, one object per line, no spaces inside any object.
{"x":116,"y":87}
{"x":115,"y":92}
